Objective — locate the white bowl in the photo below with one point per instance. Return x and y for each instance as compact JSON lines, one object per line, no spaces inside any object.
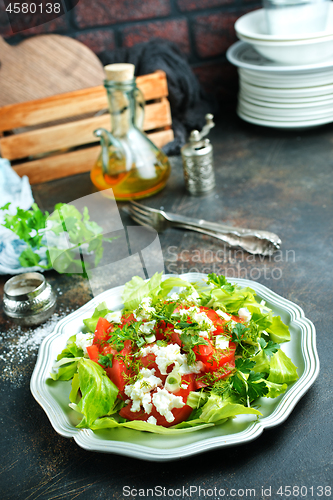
{"x":243,"y":55}
{"x":294,"y":51}
{"x":253,"y":25}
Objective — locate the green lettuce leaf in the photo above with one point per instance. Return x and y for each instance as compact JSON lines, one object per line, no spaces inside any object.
{"x":282,"y":369}
{"x":274,"y":390}
{"x":261,"y":362}
{"x":65,"y":372}
{"x":111,"y":423}
{"x":232,"y":301}
{"x":196,"y":399}
{"x":99,"y":394}
{"x":70,"y":356}
{"x":170,"y":283}
{"x":136,"y":289}
{"x":218,"y":409}
{"x":263,"y":318}
{"x":100,"y":312}
{"x":278,"y":331}
{"x":73,"y":396}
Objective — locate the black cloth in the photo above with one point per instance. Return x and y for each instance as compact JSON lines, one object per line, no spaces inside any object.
{"x":188,"y":102}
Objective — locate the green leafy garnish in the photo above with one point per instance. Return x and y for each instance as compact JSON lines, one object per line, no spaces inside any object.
{"x":106,"y":361}
{"x":189,"y":341}
{"x":31,"y":227}
{"x":269,"y":347}
{"x":220,"y":281}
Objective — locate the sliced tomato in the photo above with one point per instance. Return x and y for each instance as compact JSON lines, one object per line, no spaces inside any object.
{"x":221,"y":358}
{"x":199,"y":384}
{"x":126,"y":412}
{"x":180,"y":415}
{"x":119,"y":371}
{"x":129,"y":318}
{"x":175,"y":338}
{"x":214,"y":358}
{"x":203,"y":380}
{"x":93,"y":352}
{"x":204,"y":352}
{"x":101,"y":330}
{"x":212,"y":315}
{"x":149,"y":362}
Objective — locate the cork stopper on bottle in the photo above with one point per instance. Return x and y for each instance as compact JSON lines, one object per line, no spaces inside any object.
{"x":120,"y":72}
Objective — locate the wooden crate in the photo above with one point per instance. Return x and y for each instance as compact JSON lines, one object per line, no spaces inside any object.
{"x":45,"y":151}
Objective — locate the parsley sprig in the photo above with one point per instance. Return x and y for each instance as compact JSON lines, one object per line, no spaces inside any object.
{"x":31,"y":226}
{"x":189,"y":341}
{"x":269,"y":347}
{"x":106,"y":360}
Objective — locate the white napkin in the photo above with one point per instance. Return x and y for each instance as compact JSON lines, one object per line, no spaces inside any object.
{"x":17,"y":191}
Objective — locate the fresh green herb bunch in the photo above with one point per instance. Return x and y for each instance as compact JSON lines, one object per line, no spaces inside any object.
{"x":31,"y":227}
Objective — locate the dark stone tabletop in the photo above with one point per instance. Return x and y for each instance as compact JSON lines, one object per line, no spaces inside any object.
{"x":281,"y":181}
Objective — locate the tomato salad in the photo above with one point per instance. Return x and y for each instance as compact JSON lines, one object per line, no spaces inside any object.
{"x":184,"y":359}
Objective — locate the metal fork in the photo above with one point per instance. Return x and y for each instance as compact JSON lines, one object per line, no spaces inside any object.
{"x":253,"y":241}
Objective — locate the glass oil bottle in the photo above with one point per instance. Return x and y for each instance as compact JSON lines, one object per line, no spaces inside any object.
{"x":129,"y":163}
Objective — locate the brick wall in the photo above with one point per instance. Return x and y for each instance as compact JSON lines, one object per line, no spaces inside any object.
{"x":203,"y":29}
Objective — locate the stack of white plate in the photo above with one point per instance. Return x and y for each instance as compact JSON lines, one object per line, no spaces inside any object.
{"x":291,"y":89}
{"x":282,"y":96}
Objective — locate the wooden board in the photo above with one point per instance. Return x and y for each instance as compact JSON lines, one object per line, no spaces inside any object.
{"x":75,"y":103}
{"x":74,"y":162}
{"x":68,"y":135}
{"x":45,"y":146}
{"x":46,"y":65}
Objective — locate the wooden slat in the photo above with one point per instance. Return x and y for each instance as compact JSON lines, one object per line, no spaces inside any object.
{"x":75,"y":103}
{"x":56,"y":167}
{"x":162,"y":137}
{"x":68,"y":135}
{"x":75,"y":162}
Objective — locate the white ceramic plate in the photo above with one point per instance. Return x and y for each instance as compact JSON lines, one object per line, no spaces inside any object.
{"x":304,"y":78}
{"x":305,"y":105}
{"x":301,"y":124}
{"x":299,"y":82}
{"x":286,"y":113}
{"x":243,"y":55}
{"x":322,"y":90}
{"x":273,"y":100}
{"x":53,"y":396}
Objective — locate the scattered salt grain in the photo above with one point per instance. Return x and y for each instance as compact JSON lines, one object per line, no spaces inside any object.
{"x":20,"y":343}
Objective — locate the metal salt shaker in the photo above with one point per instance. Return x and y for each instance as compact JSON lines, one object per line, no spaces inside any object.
{"x":28,"y":299}
{"x":197,"y":158}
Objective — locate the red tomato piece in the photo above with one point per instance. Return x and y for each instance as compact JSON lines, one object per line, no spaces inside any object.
{"x":93,"y":352}
{"x":204,"y":352}
{"x":212,"y":315}
{"x":119,"y":371}
{"x":180,"y":415}
{"x":149,"y":362}
{"x":127,"y":319}
{"x":214,"y":358}
{"x":101,"y":330}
